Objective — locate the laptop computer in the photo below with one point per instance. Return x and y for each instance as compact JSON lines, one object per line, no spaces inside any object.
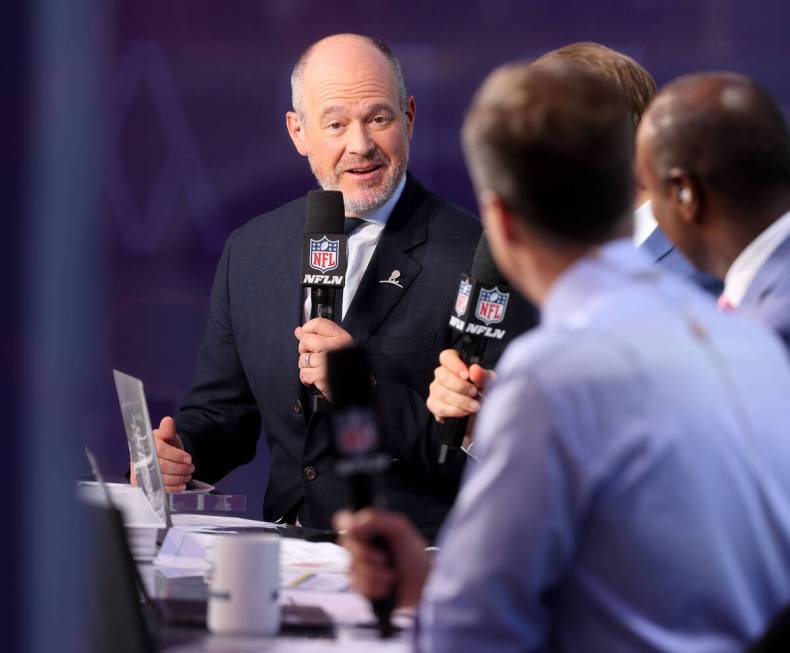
{"x":142,"y":446}
{"x":142,"y":449}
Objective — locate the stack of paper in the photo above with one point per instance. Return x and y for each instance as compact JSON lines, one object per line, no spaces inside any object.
{"x":141,"y":521}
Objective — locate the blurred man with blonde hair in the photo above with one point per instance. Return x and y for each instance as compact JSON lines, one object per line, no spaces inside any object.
{"x":456,"y":389}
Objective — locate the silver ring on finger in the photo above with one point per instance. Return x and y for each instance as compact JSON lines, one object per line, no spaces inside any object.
{"x":307,"y":360}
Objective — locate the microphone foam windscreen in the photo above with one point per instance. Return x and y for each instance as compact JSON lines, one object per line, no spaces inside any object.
{"x":325,"y":212}
{"x":484,"y":270}
{"x":348,"y":377}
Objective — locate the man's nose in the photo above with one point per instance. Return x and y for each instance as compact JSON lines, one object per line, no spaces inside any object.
{"x":359,"y":141}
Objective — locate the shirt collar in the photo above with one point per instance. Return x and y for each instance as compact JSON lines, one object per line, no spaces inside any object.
{"x":604,"y":267}
{"x":644,"y":223}
{"x":382,"y":214}
{"x":751,"y":260}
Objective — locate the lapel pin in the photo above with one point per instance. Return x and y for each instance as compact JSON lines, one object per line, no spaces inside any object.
{"x":393,"y":279}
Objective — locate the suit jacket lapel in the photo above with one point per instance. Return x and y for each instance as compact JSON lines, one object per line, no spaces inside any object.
{"x":657,"y":245}
{"x":773,"y":271}
{"x":405,"y":230}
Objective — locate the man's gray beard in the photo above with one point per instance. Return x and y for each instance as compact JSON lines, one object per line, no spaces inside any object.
{"x":368,"y":202}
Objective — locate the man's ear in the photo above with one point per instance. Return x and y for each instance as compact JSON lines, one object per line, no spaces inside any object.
{"x":296,"y":132}
{"x":411,"y":114}
{"x":686,"y":194}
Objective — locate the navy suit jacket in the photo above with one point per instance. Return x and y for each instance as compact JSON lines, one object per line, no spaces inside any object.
{"x":247,"y":375}
{"x":768,"y":297}
{"x":664,"y":253}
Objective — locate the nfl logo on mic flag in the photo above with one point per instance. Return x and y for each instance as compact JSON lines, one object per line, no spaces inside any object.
{"x":356,"y":432}
{"x":462,"y":300}
{"x":491,"y":305}
{"x":477,"y":308}
{"x":323,"y":254}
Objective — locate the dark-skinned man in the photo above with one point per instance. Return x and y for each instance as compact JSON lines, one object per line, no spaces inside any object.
{"x":714,"y":151}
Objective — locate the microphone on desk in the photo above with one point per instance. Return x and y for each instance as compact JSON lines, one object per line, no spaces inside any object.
{"x":478,"y":316}
{"x":357,"y":443}
{"x":324,"y":257}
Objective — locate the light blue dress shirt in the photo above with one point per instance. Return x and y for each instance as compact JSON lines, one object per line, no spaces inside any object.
{"x":633,"y":490}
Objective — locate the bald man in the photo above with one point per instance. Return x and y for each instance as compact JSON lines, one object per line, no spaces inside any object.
{"x":353,"y":120}
{"x":714,"y":152}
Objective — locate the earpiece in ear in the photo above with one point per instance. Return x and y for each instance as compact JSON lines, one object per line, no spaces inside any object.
{"x":684,"y":195}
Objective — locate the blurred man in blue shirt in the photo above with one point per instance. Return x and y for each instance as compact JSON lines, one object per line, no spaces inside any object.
{"x":632,"y":492}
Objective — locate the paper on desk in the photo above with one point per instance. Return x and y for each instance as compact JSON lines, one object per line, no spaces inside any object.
{"x":209,"y":522}
{"x":130,"y":500}
{"x":187,"y":546}
{"x":320,"y":556}
{"x":299,"y":578}
{"x":183,"y":549}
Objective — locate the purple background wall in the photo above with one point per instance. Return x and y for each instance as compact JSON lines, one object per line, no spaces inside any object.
{"x":192,"y":130}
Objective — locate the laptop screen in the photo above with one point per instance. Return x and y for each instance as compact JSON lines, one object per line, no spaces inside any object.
{"x":140,"y":437}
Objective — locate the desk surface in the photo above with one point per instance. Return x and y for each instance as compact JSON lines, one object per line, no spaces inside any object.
{"x":346,"y":640}
{"x":347,"y":608}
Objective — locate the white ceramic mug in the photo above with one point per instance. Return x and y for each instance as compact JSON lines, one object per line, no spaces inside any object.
{"x":244,"y":585}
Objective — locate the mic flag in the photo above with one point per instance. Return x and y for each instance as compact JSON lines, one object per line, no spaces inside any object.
{"x":479,"y":317}
{"x":324,"y":260}
{"x":357,"y":442}
{"x":357,"y":439}
{"x":482,"y":299}
{"x":325,"y":246}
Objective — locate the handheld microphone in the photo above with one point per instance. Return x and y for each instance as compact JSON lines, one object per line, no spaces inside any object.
{"x":357,"y":442}
{"x":324,"y":258}
{"x":324,"y":250}
{"x":478,"y":316}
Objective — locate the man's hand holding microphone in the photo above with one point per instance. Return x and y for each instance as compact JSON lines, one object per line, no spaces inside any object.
{"x":316,"y":338}
{"x":457,"y":388}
